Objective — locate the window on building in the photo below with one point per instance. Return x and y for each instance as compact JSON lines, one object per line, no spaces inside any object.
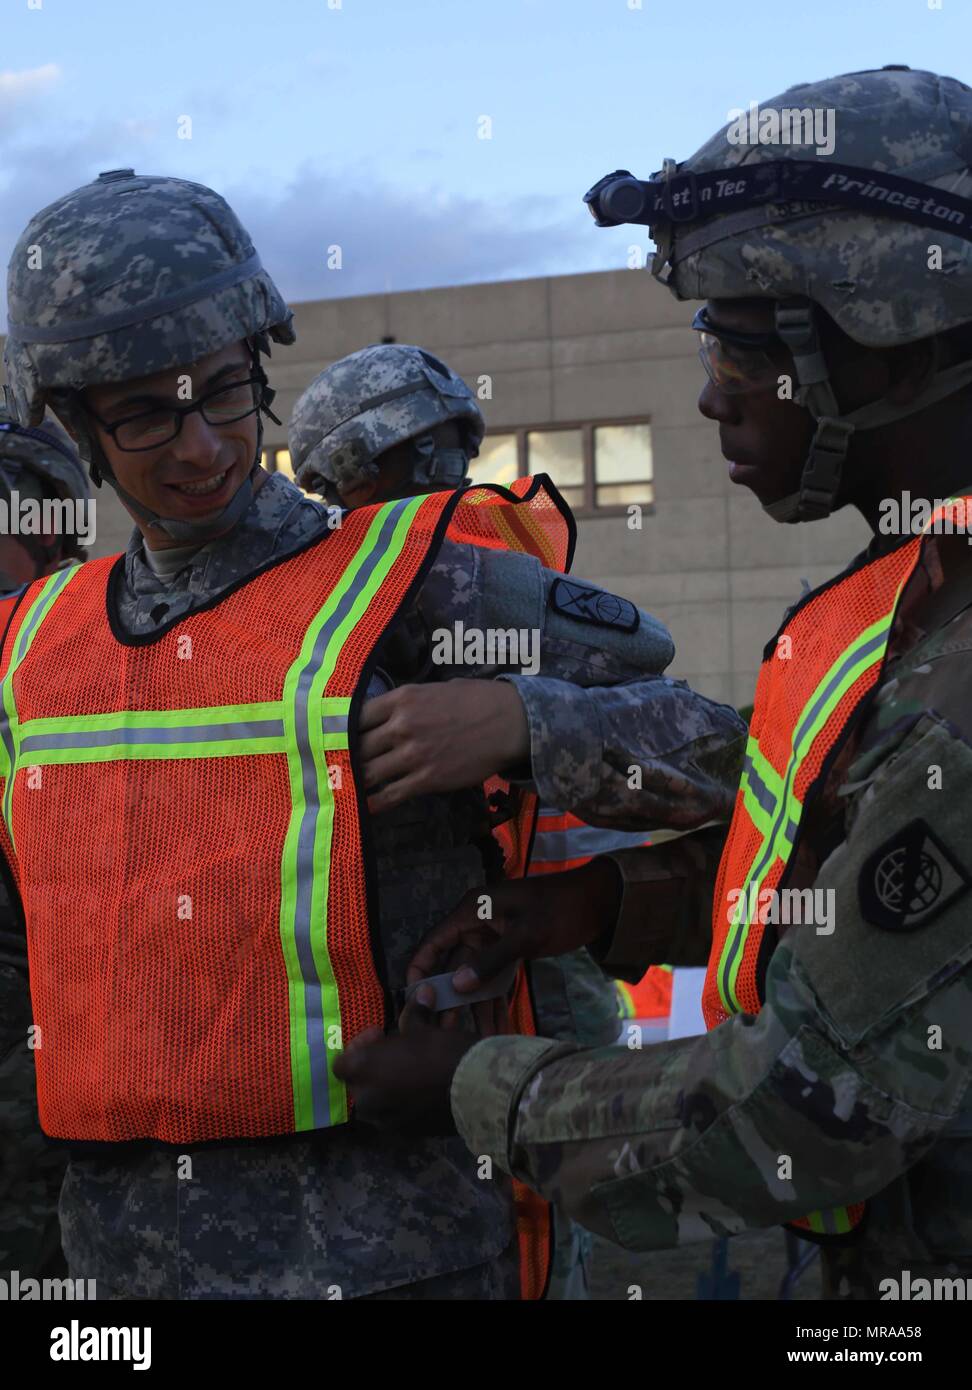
{"x":497,"y":460}
{"x":593,"y":465}
{"x":282,"y":464}
{"x":622,"y":465}
{"x":559,"y":454}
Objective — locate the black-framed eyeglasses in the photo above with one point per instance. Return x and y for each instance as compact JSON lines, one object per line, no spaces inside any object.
{"x":150,"y":429}
{"x":736,"y":362}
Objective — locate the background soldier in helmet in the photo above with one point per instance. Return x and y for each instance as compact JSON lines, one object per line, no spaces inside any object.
{"x":833,"y":1090}
{"x":392,"y":420}
{"x":144,"y":331}
{"x":35,"y":464}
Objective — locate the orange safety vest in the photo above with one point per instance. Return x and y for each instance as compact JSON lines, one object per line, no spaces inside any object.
{"x":192,"y":979}
{"x":563,"y":841}
{"x":651,"y":997}
{"x":814,"y":685}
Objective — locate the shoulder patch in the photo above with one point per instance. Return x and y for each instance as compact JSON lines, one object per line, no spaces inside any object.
{"x":910,"y":879}
{"x":595,"y":606}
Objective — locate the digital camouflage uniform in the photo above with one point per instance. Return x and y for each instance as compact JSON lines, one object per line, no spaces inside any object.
{"x":37,"y":464}
{"x":840,"y":1070}
{"x":346,"y":1207}
{"x":344,"y":1212}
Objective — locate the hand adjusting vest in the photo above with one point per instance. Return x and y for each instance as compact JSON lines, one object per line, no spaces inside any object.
{"x":182,"y":817}
{"x":814,"y":685}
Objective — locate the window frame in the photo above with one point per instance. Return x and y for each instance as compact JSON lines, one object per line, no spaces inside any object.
{"x":587,"y":508}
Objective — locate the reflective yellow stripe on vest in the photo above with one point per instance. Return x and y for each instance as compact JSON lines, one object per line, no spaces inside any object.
{"x":285,"y":726}
{"x":770,"y":799}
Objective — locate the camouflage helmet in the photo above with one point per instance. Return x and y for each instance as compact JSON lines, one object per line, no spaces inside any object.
{"x":39,"y":462}
{"x":850,"y":229}
{"x":124,"y":277}
{"x":368,"y":402}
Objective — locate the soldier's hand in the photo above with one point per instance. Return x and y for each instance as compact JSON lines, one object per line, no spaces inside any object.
{"x":528,"y":919}
{"x":421,"y":739}
{"x":403,"y":1082}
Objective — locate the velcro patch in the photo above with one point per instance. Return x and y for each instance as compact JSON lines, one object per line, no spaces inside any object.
{"x":594,"y":606}
{"x":910,"y":879}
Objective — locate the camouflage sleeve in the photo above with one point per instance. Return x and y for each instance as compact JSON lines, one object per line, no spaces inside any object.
{"x":858,"y":1060}
{"x":639,"y":755}
{"x":665,"y":916}
{"x":612,"y":740}
{"x":584,"y":635}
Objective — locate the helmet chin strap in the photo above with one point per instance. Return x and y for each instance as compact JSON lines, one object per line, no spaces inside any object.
{"x":820,"y":479}
{"x":442,"y":467}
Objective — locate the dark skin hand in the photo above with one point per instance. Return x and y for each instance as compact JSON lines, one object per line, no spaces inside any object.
{"x":403,"y":1082}
{"x":403,"y":745}
{"x":531,"y":918}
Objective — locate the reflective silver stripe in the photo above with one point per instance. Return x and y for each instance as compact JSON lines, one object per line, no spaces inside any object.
{"x":171,"y":733}
{"x":25,"y":633}
{"x":167,"y":734}
{"x":768,"y":852}
{"x":16,"y":657}
{"x":582,"y":841}
{"x":304,"y":926}
{"x":764,"y":797}
{"x":828,"y":1219}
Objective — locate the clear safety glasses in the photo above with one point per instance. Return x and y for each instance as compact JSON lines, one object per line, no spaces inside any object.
{"x":737,"y":363}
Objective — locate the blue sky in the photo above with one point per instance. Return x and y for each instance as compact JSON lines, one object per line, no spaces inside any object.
{"x":356,"y":123}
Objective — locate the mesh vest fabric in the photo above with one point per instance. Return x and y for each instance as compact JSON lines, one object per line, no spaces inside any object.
{"x":813,"y":684}
{"x":184,"y":827}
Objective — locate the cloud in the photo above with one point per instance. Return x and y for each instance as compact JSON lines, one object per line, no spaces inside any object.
{"x":391,"y":240}
{"x":19,"y":90}
{"x":16,"y":84}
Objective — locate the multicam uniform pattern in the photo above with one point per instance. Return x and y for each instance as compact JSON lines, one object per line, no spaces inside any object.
{"x":839,"y":1071}
{"x":351,"y":1209}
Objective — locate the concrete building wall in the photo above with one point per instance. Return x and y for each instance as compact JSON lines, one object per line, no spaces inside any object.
{"x":707,"y":560}
{"x":595,"y":347}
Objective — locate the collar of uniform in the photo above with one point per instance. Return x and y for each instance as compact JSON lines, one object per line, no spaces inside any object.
{"x":280,"y":518}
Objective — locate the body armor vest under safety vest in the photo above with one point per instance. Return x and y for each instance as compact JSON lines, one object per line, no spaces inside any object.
{"x":813,"y":687}
{"x":183,"y":822}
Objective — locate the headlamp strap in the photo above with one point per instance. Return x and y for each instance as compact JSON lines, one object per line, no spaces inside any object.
{"x":673,"y":197}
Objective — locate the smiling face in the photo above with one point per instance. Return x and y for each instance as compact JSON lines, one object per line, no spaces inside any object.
{"x":191,"y":477}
